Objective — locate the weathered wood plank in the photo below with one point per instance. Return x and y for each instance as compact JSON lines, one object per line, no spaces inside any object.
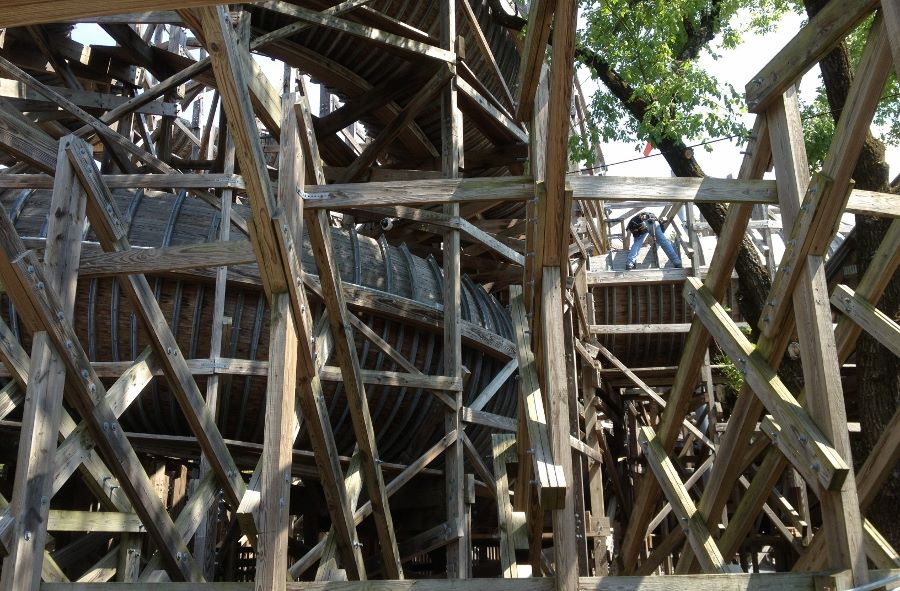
{"x":278,"y":440}
{"x":810,"y":452}
{"x":167,"y":259}
{"x":550,"y":479}
{"x":682,"y":505}
{"x":345,"y":350}
{"x":44,"y":392}
{"x":871,"y":319}
{"x":540,"y":16}
{"x":21,"y":273}
{"x":14,"y":91}
{"x":24,"y":12}
{"x":802,"y":52}
{"x":109,"y":228}
{"x":361,"y":31}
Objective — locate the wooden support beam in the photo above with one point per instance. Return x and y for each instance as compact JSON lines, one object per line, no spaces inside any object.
{"x":133,"y":181}
{"x":697,"y":531}
{"x":871,"y":319}
{"x":511,"y":530}
{"x":345,"y":351}
{"x":802,"y":52}
{"x":451,"y":125}
{"x":550,"y":479}
{"x":167,"y":259}
{"x":557,"y":396}
{"x":23,"y":12}
{"x":823,"y":203}
{"x":696,"y":344}
{"x":362,"y":31}
{"x":875,"y":470}
{"x":22,"y":138}
{"x":278,"y":440}
{"x":821,"y":368}
{"x":485,"y":49}
{"x":93,"y":521}
{"x":498,"y":117}
{"x":390,"y":132}
{"x":446,"y":221}
{"x":487,"y":394}
{"x":44,"y":392}
{"x":109,"y":228}
{"x":540,"y":16}
{"x":21,"y":273}
{"x":804,"y":444}
{"x":421,"y":192}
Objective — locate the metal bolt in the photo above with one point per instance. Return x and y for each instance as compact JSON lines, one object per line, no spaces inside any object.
{"x":84,"y":373}
{"x":106,"y":425}
{"x":60,"y":315}
{"x":27,"y":535}
{"x":31,"y":268}
{"x":40,"y":285}
{"x":816,"y":467}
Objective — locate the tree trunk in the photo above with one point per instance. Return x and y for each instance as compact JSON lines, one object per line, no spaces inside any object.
{"x":877,"y":369}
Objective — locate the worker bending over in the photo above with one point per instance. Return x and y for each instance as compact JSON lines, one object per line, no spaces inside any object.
{"x":640,"y":227}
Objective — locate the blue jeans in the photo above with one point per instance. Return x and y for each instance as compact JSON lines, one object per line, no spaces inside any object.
{"x":660,"y":239}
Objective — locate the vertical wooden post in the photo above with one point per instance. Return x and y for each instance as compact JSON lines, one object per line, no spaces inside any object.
{"x":129,"y":560}
{"x":451,"y":154}
{"x":821,"y":369}
{"x":43,"y":399}
{"x":556,"y":384}
{"x":205,"y":539}
{"x":278,"y":439}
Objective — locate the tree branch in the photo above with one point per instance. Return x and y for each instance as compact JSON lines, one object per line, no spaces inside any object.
{"x":505,"y":19}
{"x":700,"y":35}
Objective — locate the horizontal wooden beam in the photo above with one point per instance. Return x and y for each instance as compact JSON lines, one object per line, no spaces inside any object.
{"x":736,"y":581}
{"x":94,"y":521}
{"x":134,"y":181}
{"x":18,"y":93}
{"x":138,"y":260}
{"x":17,"y":13}
{"x":422,"y":192}
{"x":672,"y":189}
